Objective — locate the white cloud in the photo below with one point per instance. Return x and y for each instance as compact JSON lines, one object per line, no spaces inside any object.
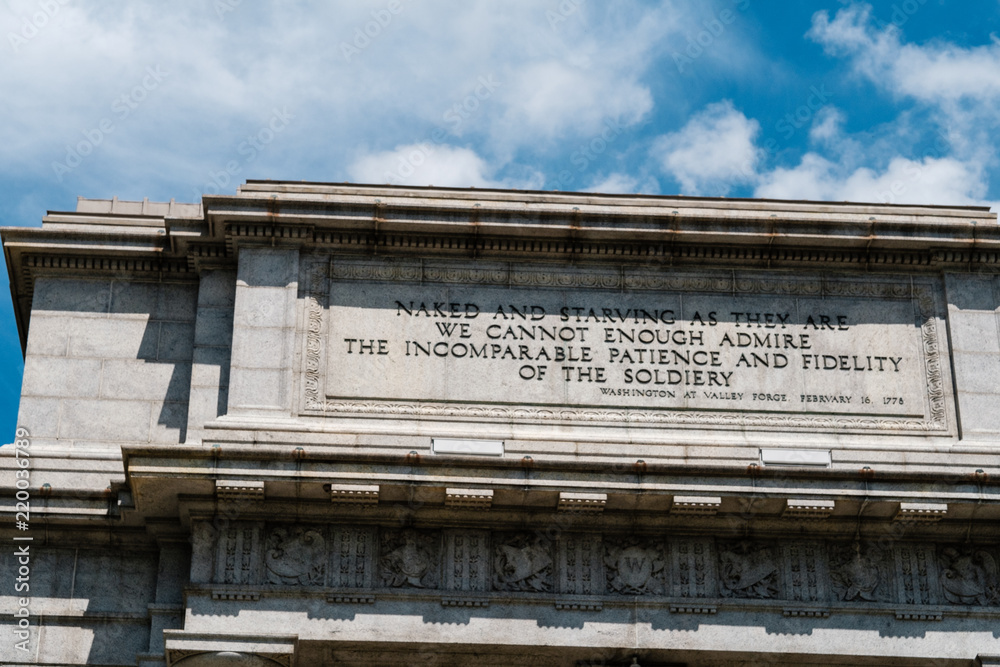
{"x":423,"y":164}
{"x":827,"y":126}
{"x":617,"y":183}
{"x":552,"y":98}
{"x":342,"y":67}
{"x":714,"y":151}
{"x":429,"y":164}
{"x":935,"y":73}
{"x":945,"y":181}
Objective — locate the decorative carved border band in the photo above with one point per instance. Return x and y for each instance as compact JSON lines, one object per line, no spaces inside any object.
{"x":319,"y":272}
{"x":351,"y":564}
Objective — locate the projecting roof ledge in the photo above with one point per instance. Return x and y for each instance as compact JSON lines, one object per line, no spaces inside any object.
{"x":114,"y":206}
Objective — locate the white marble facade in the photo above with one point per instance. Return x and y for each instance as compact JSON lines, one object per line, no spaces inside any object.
{"x":318,"y":424}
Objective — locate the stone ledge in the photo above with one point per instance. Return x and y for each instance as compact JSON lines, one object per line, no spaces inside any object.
{"x":796,"y":508}
{"x":468,"y":498}
{"x":464,"y":602}
{"x":236,"y":596}
{"x":351,"y":599}
{"x":919,"y":616}
{"x":232,"y":489}
{"x":805,"y":613}
{"x":356,"y":494}
{"x":693,"y":609}
{"x":582,"y":502}
{"x":696,"y":505}
{"x":921,"y":512}
{"x":568,"y":605}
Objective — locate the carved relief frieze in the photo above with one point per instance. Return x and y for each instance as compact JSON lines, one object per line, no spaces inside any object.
{"x":580,"y":564}
{"x":409,"y":558}
{"x":748,"y":570}
{"x":916,"y":573}
{"x":238,"y":552}
{"x":352,"y":553}
{"x":809,"y":573}
{"x":969,"y":576}
{"x":804,"y":571}
{"x":295,"y":556}
{"x":466,"y":561}
{"x":635,"y":567}
{"x":522,"y":562}
{"x":693,"y":572}
{"x":858,"y":572}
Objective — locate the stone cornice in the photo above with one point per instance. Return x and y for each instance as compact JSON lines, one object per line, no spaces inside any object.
{"x":160,"y":240}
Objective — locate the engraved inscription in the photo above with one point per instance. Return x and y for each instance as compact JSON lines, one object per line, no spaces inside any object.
{"x":779,"y":352}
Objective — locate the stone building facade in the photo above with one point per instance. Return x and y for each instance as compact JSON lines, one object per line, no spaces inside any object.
{"x":323,"y":424}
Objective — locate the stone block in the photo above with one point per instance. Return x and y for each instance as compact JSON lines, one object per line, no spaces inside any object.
{"x":105,"y":420}
{"x":263,"y":307}
{"x":212,"y":356}
{"x":134,"y":298}
{"x":217,"y":288}
{"x":268,"y":267}
{"x":114,"y":580}
{"x":176,"y":341}
{"x":206,"y":375}
{"x":177,"y":302}
{"x":169,"y":422}
{"x":65,"y":295}
{"x":977,"y":373}
{"x":47,"y":336}
{"x":39,"y":415}
{"x":204,"y":406}
{"x":974,"y":331}
{"x":252,"y":388}
{"x":144,"y":380}
{"x":262,"y":348}
{"x":61,"y":377}
{"x":113,"y":338}
{"x":979,"y":413}
{"x":214,"y":327}
{"x":969,"y":292}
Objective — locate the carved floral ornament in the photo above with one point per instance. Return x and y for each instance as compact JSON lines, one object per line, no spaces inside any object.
{"x":856,"y":571}
{"x":368,"y":558}
{"x":295,"y":556}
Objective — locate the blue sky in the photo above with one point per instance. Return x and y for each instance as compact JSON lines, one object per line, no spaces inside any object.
{"x":895,"y":101}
